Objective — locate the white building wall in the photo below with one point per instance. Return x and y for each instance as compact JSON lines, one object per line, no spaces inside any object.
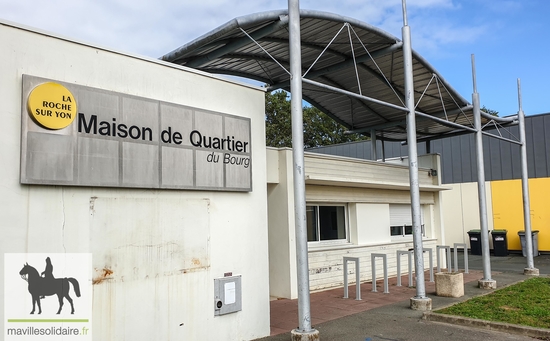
{"x":162,"y":248}
{"x":371,"y":223}
{"x":361,"y":186}
{"x":461,"y":211}
{"x":326,"y":265}
{"x":282,"y":239}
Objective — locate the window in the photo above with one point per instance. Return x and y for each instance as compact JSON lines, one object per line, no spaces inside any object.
{"x":404,"y":230}
{"x":401,"y":221}
{"x":325,"y":223}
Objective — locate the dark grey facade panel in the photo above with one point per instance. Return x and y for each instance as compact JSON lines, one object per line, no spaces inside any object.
{"x":458,"y":153}
{"x":465,"y":160}
{"x":530,"y":147}
{"x":366,"y":154}
{"x":515,"y":156}
{"x":473,"y":160}
{"x":547,"y":141}
{"x":421,"y":147}
{"x":507,"y":161}
{"x":447,"y":167}
{"x":493,"y":152}
{"x":538,"y":146}
{"x":465,"y":149}
{"x":353,"y":149}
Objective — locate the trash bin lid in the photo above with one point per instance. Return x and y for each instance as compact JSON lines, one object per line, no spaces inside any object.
{"x":474,"y":231}
{"x":522,"y":233}
{"x":499,"y":231}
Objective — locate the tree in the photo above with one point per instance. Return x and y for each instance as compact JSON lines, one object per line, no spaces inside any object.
{"x":319,"y":129}
{"x":278,"y":130}
{"x":489,"y":111}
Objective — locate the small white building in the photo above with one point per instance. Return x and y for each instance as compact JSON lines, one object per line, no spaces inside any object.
{"x":354,"y":208}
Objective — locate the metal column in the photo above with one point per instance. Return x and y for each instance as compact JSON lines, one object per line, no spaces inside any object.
{"x":525,"y":190}
{"x":486,"y":281}
{"x":373,"y":154}
{"x":383,"y":147}
{"x":302,"y":267}
{"x":420,"y":300}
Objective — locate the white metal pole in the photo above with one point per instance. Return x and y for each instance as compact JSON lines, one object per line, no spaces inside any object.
{"x":302,"y":267}
{"x":486,"y":281}
{"x":420,"y":301}
{"x":525,"y":190}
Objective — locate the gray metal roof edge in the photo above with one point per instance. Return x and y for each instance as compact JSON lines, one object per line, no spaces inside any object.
{"x":256,"y":18}
{"x":536,"y":115}
{"x":250,"y":20}
{"x":340,"y":18}
{"x":200,"y":41}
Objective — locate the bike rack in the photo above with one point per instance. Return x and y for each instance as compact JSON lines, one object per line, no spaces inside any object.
{"x":357,"y":277}
{"x":465,"y":247}
{"x":373,"y":257}
{"x":431,"y":257}
{"x":410,"y":253}
{"x":448,"y":250}
{"x":399,"y":254}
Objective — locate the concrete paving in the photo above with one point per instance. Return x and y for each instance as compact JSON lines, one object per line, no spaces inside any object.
{"x":386,"y":319}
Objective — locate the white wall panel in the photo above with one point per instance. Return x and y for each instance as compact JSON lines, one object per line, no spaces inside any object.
{"x":164,"y":247}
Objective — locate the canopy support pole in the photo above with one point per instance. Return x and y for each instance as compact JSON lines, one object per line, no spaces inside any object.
{"x":304,"y":330}
{"x":530,"y":269}
{"x":486,"y":282}
{"x":420,"y":301}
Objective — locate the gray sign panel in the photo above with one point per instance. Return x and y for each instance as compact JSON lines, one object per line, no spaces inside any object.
{"x":119,"y":140}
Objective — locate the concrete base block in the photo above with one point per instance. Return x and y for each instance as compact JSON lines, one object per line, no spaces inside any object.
{"x":422,"y":304}
{"x":531,"y":271}
{"x":298,"y":335}
{"x":449,"y":284}
{"x":487,"y":284}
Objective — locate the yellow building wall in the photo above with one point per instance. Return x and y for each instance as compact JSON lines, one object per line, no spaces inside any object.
{"x":508,"y":210}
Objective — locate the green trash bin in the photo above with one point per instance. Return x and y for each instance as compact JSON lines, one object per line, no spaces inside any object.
{"x":500,"y":243}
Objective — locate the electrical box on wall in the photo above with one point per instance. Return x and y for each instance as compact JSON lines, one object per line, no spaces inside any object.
{"x":227,"y":295}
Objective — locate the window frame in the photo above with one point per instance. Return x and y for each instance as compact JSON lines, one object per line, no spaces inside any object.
{"x":316,"y":205}
{"x":405,"y":226}
{"x":404,"y":233}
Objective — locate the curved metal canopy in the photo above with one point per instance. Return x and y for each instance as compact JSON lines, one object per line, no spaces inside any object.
{"x":352,"y":71}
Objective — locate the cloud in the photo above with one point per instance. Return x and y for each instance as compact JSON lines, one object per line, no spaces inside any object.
{"x":155,"y":28}
{"x":503,"y":6}
{"x":437,"y":38}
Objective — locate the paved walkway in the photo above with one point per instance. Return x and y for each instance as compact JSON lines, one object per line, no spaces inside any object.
{"x":330,"y":305}
{"x":380,"y":316}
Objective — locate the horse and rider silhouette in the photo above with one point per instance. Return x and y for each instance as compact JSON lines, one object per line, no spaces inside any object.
{"x":39,"y":286}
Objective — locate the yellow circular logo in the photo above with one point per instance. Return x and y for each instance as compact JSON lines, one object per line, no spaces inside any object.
{"x":52,"y":106}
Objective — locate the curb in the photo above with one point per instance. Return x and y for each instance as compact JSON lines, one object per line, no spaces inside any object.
{"x":483,"y":324}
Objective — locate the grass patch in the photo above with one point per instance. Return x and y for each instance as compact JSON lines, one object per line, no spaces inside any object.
{"x":526,"y":303}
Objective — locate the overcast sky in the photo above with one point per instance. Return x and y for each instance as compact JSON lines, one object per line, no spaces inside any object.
{"x":510,"y":38}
